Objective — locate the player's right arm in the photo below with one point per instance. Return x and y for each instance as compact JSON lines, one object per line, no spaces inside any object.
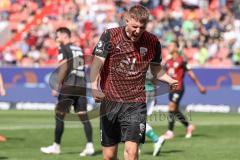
{"x":62,"y":69}
{"x":100,"y":54}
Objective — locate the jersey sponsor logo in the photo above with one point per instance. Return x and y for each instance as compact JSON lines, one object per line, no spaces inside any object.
{"x":126,"y":67}
{"x":143,"y":51}
{"x":175,"y":64}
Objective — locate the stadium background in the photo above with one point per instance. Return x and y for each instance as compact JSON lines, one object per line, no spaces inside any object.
{"x":209,"y":32}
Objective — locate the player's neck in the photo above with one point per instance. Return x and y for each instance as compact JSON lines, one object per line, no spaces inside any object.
{"x":66,"y":42}
{"x":175,"y":56}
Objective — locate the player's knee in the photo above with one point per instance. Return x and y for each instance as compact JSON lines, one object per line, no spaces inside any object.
{"x":110,"y":153}
{"x":109,"y":157}
{"x":60,"y":115}
{"x":131,"y":153}
{"x":83,"y":118}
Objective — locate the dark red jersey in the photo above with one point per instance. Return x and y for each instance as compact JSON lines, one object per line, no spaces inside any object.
{"x":126,"y":63}
{"x":176,"y":68}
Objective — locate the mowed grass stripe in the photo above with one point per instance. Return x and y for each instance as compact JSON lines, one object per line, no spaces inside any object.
{"x":216,"y":137}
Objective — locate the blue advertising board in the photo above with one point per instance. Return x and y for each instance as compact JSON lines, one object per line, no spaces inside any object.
{"x":27,"y":85}
{"x":223,"y":88}
{"x":32,"y":85}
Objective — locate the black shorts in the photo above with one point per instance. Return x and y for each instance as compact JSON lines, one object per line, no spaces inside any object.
{"x":122,"y":122}
{"x":66,"y":101}
{"x":176,"y":96}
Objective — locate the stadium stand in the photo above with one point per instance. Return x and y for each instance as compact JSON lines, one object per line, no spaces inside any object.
{"x":208,"y":31}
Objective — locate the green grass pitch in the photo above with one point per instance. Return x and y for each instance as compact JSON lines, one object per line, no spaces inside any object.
{"x":217,"y":136}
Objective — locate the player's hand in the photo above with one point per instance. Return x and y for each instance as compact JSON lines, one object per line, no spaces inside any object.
{"x":202,"y":89}
{"x":54,"y":93}
{"x":173,"y":85}
{"x":2,"y":92}
{"x":98,"y":95}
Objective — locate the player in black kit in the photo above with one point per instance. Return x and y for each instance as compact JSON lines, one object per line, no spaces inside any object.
{"x":70,"y":75}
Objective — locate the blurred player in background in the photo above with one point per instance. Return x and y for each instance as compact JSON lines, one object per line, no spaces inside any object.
{"x":176,"y":67}
{"x":2,"y":93}
{"x":70,"y":76}
{"x":150,"y":93}
{"x":124,"y":55}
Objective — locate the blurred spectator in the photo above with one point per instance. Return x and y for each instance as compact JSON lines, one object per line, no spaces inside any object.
{"x":208,"y":31}
{"x":236,"y":57}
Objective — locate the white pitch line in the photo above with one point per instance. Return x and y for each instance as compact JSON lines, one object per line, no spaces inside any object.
{"x":38,"y":127}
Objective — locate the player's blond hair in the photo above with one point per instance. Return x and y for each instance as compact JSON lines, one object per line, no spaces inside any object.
{"x":139,"y":13}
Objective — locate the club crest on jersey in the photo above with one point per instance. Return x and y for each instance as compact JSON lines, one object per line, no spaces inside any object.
{"x":143,"y":51}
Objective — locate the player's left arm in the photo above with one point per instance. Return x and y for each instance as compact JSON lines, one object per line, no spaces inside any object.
{"x":2,"y":89}
{"x":62,"y":71}
{"x":201,"y":88}
{"x":191,"y":74}
{"x":157,"y":70}
{"x":160,"y":74}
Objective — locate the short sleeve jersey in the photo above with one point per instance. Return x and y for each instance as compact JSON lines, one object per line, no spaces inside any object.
{"x":126,"y":63}
{"x":176,"y":68}
{"x":75,"y":61}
